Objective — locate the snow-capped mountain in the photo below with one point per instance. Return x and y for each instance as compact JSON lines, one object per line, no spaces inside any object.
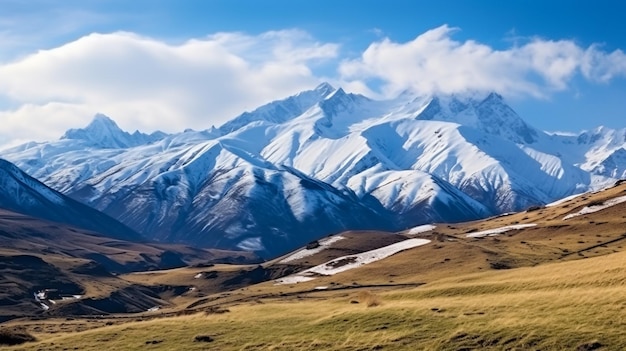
{"x":23,"y":194}
{"x":103,"y":132}
{"x":322,"y":161}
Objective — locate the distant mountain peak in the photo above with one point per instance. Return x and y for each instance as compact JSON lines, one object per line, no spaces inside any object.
{"x":280,"y":111}
{"x":324,"y":88}
{"x":488,"y":112}
{"x":100,"y":119}
{"x":336,"y":93}
{"x":103,"y":132}
{"x":493,"y":96}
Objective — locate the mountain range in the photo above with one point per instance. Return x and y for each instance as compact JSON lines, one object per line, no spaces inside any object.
{"x":321,"y":162}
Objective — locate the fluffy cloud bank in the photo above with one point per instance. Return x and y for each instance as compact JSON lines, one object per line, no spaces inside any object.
{"x":435,"y":62}
{"x":148,"y":84}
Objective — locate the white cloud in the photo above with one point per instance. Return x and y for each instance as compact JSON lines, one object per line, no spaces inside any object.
{"x":602,"y":67}
{"x":148,"y":84}
{"x":435,"y":62}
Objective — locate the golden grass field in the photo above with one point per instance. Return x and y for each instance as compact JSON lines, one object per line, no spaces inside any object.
{"x":558,"y":286}
{"x":560,"y":306}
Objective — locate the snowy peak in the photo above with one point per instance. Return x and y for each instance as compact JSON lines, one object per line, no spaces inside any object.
{"x":324,"y":89}
{"x":101,"y":121}
{"x":340,"y":101}
{"x":282,"y":110}
{"x":103,"y":132}
{"x":496,"y":117}
{"x":489,"y":114}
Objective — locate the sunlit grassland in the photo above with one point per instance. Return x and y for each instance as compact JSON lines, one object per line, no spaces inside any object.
{"x":553,"y":306}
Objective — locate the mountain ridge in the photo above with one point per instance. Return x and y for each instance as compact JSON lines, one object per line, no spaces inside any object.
{"x":23,"y":194}
{"x":412,"y":160}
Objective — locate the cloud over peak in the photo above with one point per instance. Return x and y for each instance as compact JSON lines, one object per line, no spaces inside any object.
{"x":435,"y":62}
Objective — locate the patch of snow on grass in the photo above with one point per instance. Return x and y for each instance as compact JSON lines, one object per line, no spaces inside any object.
{"x":492,"y":232}
{"x":197,"y":276}
{"x":73,"y":297}
{"x":293,"y":279}
{"x":563,"y":200}
{"x":595,"y":208}
{"x":421,"y":229}
{"x":505,"y":214}
{"x":344,"y":263}
{"x":324,"y":243}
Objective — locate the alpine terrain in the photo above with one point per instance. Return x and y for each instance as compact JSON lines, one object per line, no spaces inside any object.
{"x":320,"y":162}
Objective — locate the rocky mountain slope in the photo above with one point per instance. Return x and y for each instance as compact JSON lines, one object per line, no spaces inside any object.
{"x":23,"y":194}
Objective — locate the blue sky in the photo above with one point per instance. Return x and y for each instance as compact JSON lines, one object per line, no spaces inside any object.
{"x":567,"y":69}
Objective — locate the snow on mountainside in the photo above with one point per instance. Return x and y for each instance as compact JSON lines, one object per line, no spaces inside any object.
{"x":324,"y":161}
{"x":23,"y":194}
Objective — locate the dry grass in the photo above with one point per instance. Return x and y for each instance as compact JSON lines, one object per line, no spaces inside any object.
{"x":367,"y":298}
{"x":558,"y":306}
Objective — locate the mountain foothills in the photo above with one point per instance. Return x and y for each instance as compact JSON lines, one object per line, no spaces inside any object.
{"x":321,"y":162}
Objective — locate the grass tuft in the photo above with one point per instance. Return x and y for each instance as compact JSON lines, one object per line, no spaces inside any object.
{"x":368,"y":298}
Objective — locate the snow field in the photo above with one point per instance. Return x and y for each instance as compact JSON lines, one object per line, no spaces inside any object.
{"x":595,"y":208}
{"x":345,"y":263}
{"x":492,"y":232}
{"x":324,"y":244}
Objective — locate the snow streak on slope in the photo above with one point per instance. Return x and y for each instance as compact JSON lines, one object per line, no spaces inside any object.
{"x":345,"y":263}
{"x":303,"y":253}
{"x":421,"y":229}
{"x":492,"y":232}
{"x":563,"y":200}
{"x":595,"y":208}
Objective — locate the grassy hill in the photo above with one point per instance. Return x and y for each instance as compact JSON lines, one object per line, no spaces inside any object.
{"x":38,"y":255}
